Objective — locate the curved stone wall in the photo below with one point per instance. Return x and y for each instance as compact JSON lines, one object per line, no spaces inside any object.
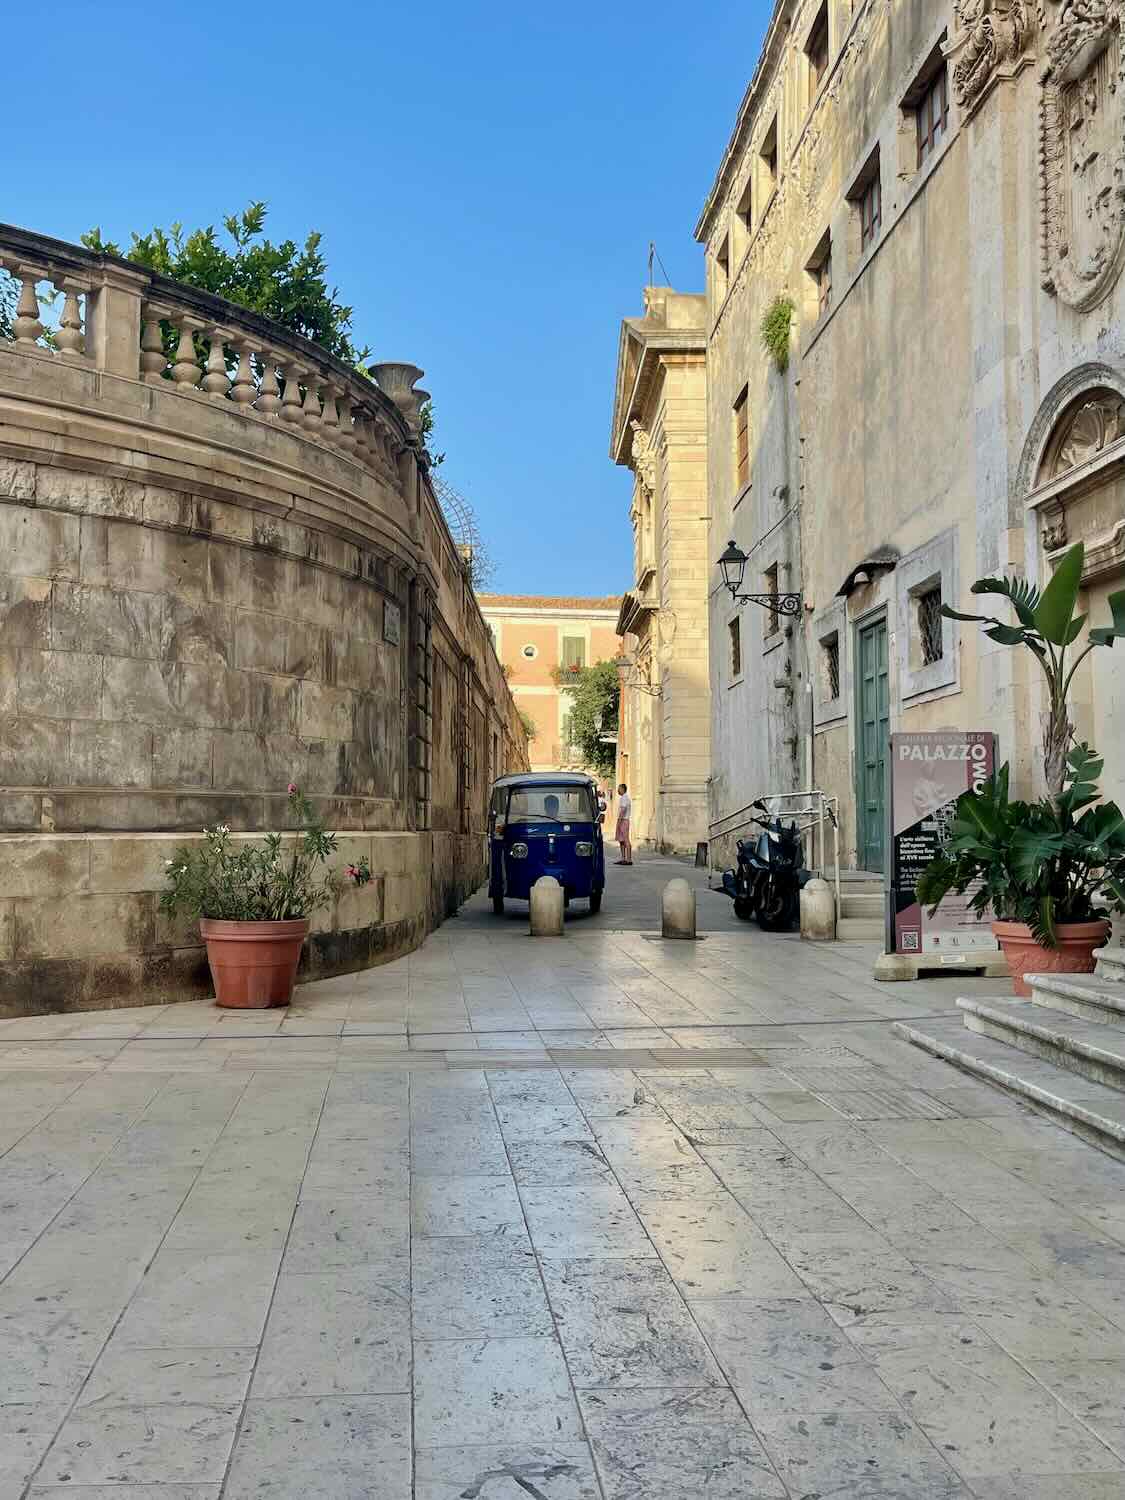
{"x":210,"y":588}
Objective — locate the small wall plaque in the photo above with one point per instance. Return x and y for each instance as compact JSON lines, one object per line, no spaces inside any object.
{"x":392,"y":622}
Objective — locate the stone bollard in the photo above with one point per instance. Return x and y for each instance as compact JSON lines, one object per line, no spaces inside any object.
{"x":546,"y":907}
{"x":818,"y":912}
{"x":677,"y":910}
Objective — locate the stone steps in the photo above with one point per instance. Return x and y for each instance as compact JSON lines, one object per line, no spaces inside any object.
{"x":1087,"y":996}
{"x":859,"y":930}
{"x":1092,"y":1049}
{"x":867,"y":904}
{"x":1110,"y":963}
{"x":1091,"y":1110}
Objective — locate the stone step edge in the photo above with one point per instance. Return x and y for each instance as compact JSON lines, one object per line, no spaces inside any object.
{"x":1055,"y":1037}
{"x":1108,"y":1135}
{"x":1096,"y":998}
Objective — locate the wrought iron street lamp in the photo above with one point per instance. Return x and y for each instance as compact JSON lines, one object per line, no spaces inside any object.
{"x":732,"y":565}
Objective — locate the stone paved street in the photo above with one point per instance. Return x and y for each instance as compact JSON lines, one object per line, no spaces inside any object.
{"x":598,"y":1217}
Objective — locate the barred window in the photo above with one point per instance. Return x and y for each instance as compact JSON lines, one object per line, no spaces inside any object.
{"x":830,"y":660}
{"x":930,"y":625}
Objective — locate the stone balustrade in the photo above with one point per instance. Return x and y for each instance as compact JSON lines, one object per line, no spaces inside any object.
{"x":222,"y":568}
{"x":114,"y":317}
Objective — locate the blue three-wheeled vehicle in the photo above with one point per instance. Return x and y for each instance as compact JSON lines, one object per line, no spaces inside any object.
{"x":545,"y":823}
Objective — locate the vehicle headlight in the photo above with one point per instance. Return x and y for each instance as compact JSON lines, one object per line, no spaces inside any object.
{"x":518,"y":851}
{"x":584,"y":849}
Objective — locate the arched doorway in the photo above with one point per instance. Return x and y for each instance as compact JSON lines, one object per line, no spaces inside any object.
{"x":1077,"y":493}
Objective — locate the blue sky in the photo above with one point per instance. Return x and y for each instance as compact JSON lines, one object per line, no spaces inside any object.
{"x":487,"y":178}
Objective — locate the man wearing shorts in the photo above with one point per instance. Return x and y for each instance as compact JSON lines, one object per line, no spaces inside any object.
{"x":624,"y":813}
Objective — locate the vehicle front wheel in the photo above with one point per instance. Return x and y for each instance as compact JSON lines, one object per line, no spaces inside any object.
{"x":776,"y":910}
{"x":743,"y":909}
{"x":595,"y":902}
{"x":497,"y":906}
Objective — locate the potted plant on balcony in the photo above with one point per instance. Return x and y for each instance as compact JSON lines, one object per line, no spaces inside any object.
{"x":254,"y":901}
{"x":1048,"y":871}
{"x":1042,"y":867}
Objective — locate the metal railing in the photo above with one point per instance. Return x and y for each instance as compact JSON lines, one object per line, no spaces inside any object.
{"x":812,"y":809}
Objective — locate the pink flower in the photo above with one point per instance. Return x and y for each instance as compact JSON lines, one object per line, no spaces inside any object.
{"x":292,"y":787}
{"x":352,"y":873}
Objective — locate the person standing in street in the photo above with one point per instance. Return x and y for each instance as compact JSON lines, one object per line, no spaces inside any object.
{"x":624,"y":814}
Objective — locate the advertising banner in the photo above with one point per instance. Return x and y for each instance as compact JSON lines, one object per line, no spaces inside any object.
{"x":928,"y":773}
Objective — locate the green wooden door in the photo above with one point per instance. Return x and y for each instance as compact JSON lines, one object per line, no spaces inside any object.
{"x":872,"y":740}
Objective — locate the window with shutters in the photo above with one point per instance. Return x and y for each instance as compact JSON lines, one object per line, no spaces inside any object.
{"x":932,"y":114}
{"x":816,"y":51}
{"x":573,"y":652}
{"x":742,"y":440}
{"x":735,"y":629}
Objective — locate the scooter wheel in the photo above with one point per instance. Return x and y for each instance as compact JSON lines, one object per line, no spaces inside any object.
{"x":595,"y":902}
{"x":497,"y":906}
{"x":743,"y":910}
{"x":775,"y":910}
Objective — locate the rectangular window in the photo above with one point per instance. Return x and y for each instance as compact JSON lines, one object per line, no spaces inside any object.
{"x":745,"y":209}
{"x":573,"y":651}
{"x":870,"y":210}
{"x":768,"y":155}
{"x":932,"y":114}
{"x":722,"y":268}
{"x":742,"y":439}
{"x":830,"y":666}
{"x":824,"y":285}
{"x":772,"y":588}
{"x":816,"y":50}
{"x":735,"y":628}
{"x":931,"y":647}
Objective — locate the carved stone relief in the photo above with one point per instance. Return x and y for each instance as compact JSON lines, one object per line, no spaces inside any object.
{"x":644,"y":459}
{"x":987,"y":35}
{"x":1082,"y":153}
{"x":1089,"y":428}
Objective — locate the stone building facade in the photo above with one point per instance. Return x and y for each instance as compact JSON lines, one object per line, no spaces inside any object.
{"x":936,"y":190}
{"x":536,"y":637}
{"x":212,"y":585}
{"x":660,"y":432}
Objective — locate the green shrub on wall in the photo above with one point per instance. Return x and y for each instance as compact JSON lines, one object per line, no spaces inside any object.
{"x":776,"y":324}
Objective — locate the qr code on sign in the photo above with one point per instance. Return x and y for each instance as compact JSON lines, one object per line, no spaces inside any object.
{"x":911,"y":942}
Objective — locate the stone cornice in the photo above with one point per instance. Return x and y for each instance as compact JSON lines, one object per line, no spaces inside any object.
{"x":652,"y":343}
{"x":761,"y":81}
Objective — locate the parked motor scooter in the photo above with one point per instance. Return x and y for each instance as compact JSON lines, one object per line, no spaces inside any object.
{"x":770,"y":874}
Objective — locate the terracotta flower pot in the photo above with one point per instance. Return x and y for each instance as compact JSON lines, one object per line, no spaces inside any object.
{"x":1074,"y":954}
{"x":253,"y":964}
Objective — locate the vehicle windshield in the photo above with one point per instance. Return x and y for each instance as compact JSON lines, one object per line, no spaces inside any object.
{"x":549,"y":804}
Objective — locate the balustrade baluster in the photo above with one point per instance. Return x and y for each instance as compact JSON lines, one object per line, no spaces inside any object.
{"x":216,"y":382}
{"x":185,"y":369}
{"x":310,"y":412}
{"x":360,"y":435}
{"x":291,"y":401}
{"x":70,"y":339}
{"x":153,"y":357}
{"x":245,"y":389}
{"x":26,"y":325}
{"x":347,"y":432}
{"x":329,"y":420}
{"x":269,"y":392}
